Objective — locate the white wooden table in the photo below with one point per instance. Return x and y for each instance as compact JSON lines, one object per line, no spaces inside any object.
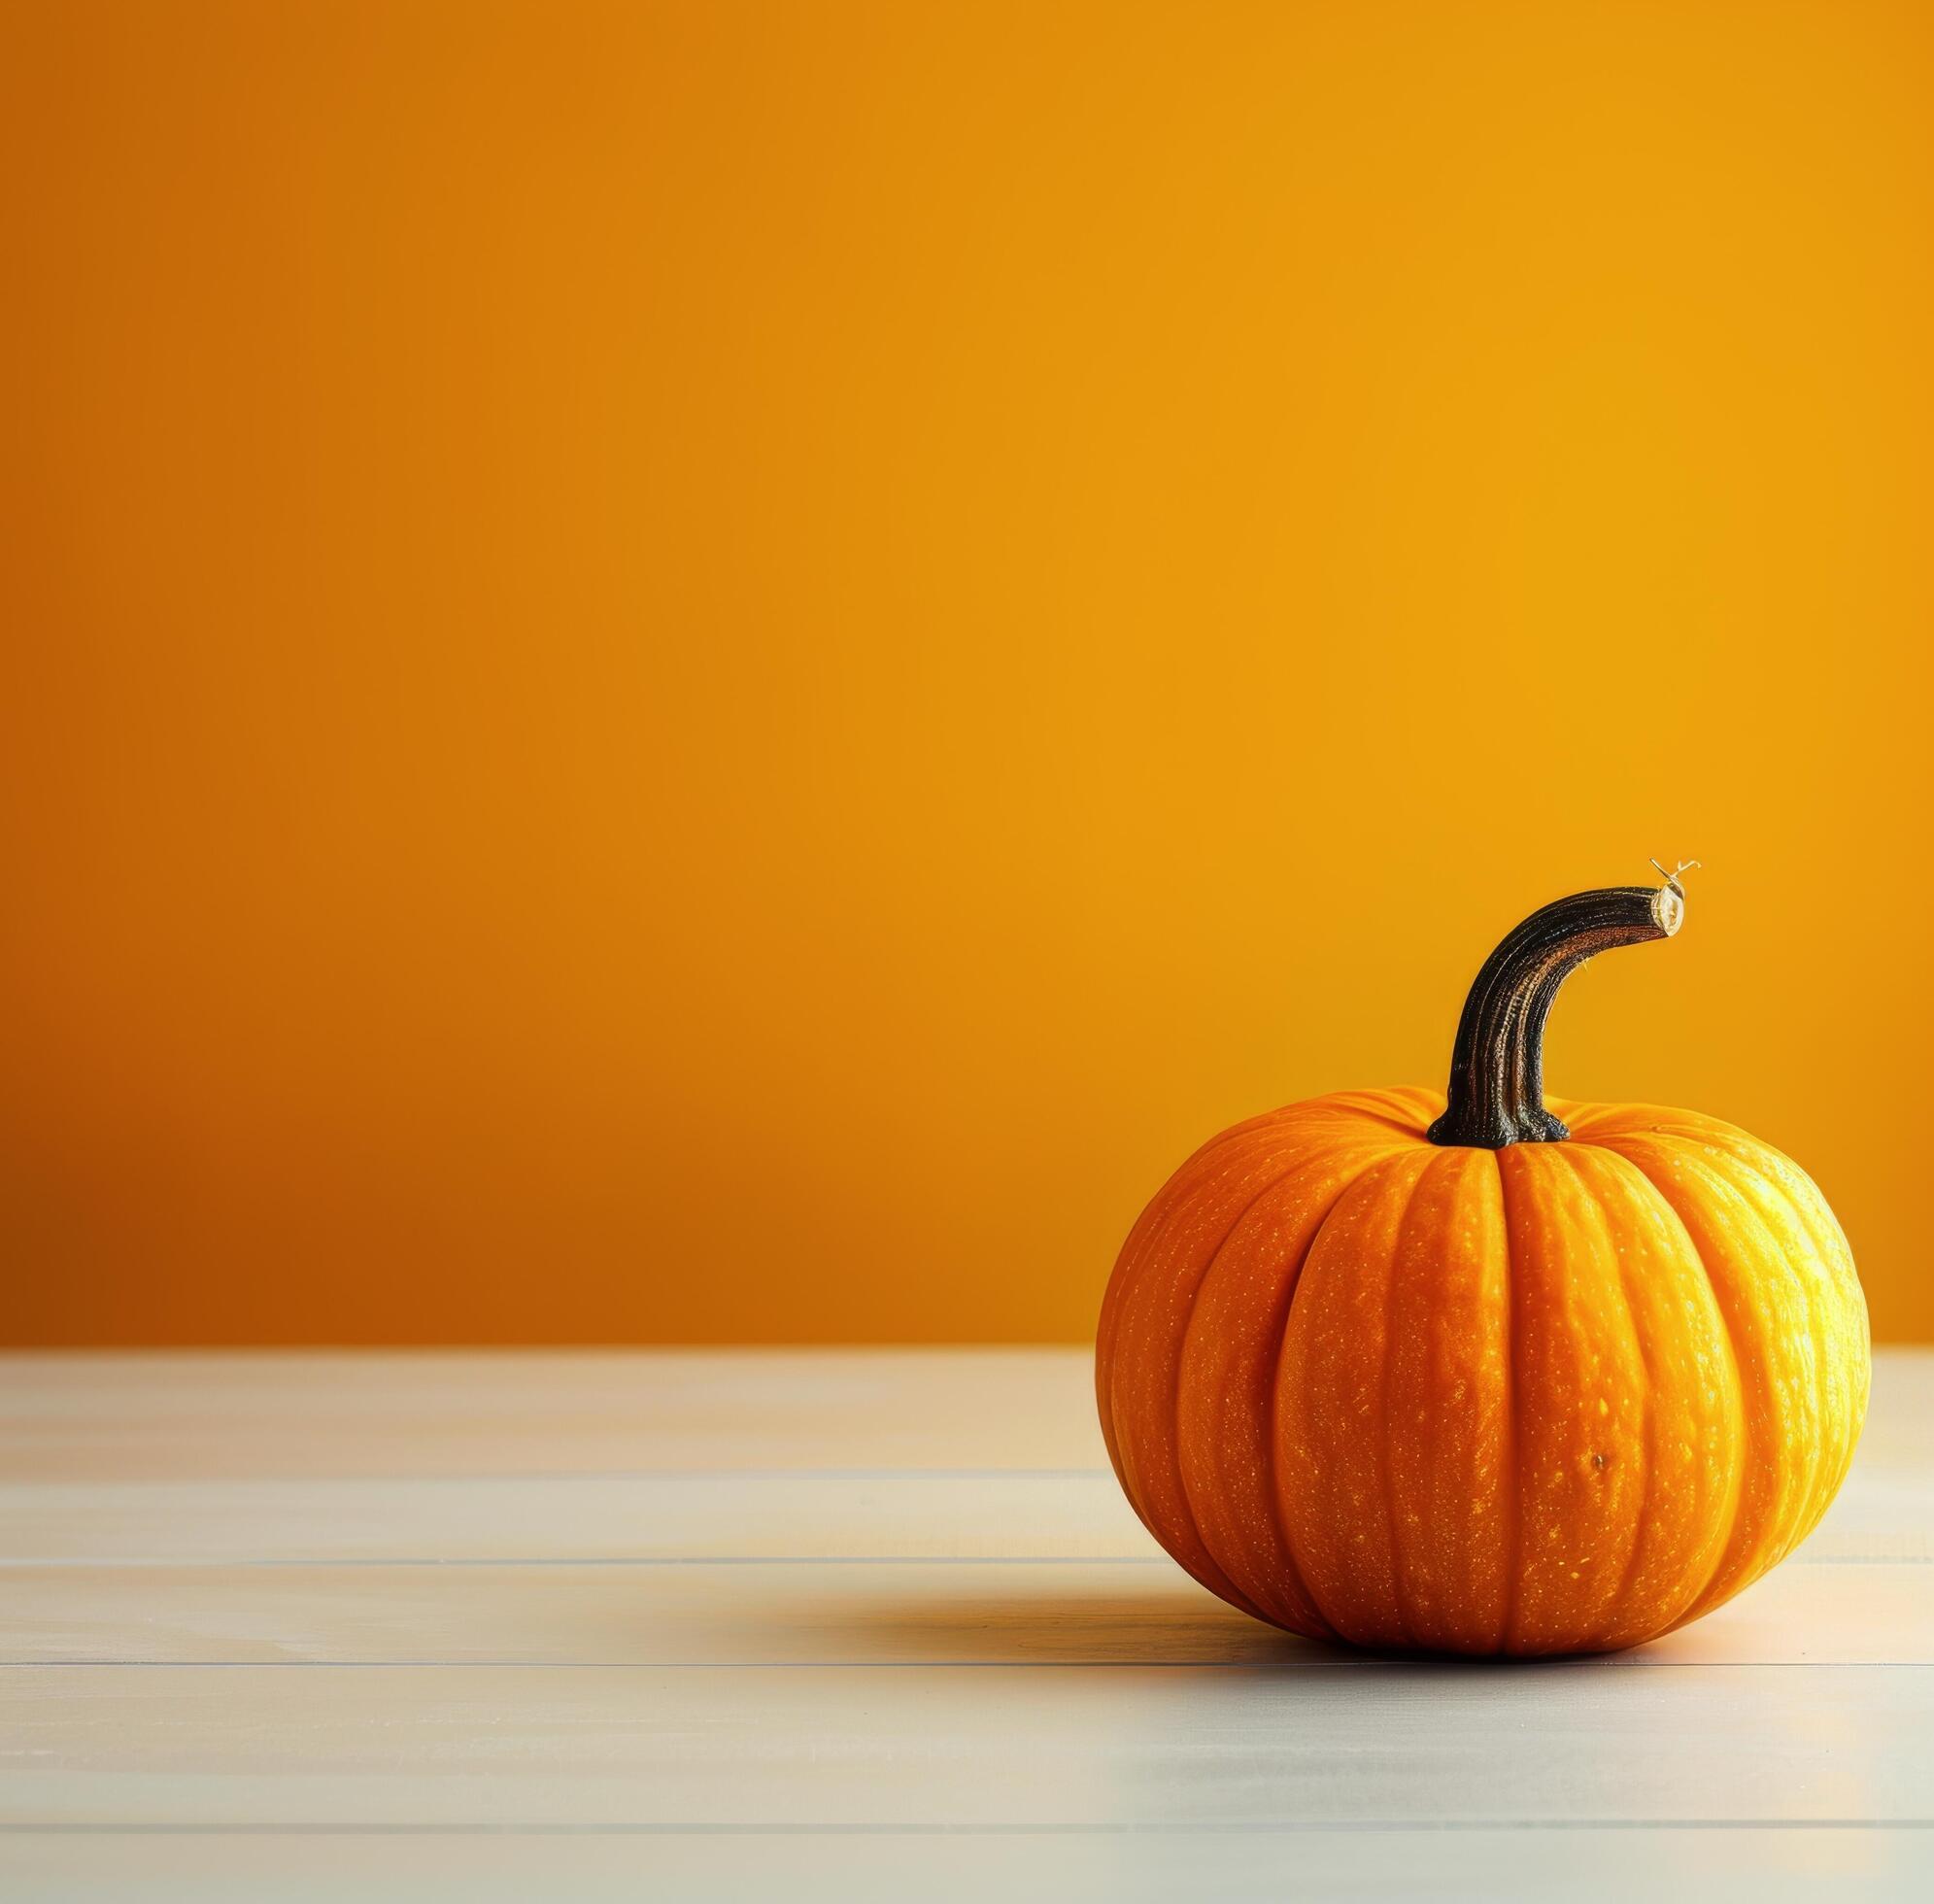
{"x":871,"y":1624}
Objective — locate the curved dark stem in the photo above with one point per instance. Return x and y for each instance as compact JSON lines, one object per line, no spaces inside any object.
{"x":1497,"y":1066}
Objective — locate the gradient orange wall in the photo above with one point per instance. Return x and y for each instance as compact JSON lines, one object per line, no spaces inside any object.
{"x":721,"y":672}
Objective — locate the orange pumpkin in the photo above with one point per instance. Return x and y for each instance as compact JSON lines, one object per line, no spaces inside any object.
{"x":1443,"y":1375}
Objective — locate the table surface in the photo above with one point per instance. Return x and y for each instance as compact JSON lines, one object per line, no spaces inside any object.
{"x":871,"y":1623}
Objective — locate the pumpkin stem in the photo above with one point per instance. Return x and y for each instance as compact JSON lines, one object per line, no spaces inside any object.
{"x":1497,"y":1066}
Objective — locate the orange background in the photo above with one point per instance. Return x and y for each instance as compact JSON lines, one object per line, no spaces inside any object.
{"x":722,"y":672}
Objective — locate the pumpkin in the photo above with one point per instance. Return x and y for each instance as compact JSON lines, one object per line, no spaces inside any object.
{"x":1469,"y":1373}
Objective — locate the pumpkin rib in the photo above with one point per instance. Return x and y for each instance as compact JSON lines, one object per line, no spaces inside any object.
{"x":1339,"y":1586}
{"x":1274,"y":1331}
{"x":1449,"y":1164}
{"x":1701,"y":1601}
{"x":1405,"y":1625}
{"x":1477,"y":1212}
{"x":1602,"y":1296}
{"x":1291,"y":1276}
{"x":1228,"y":1589}
{"x":1802,"y":1504}
{"x":1353,"y":1101}
{"x":1219,"y":1585}
{"x":1514,"y":1545}
{"x":1751,"y":1434}
{"x":1672,"y":1385}
{"x":1603,"y":1125}
{"x":1175,"y":1388}
{"x":1810,"y":1504}
{"x":1641,"y":1514}
{"x":1249,"y":1138}
{"x":1273,"y":1491}
{"x":1839,"y":1266}
{"x":1775,"y":1180}
{"x":1831,"y":1459}
{"x":1273,"y":1428}
{"x":1835,"y":1258}
{"x":1785,"y":1177}
{"x":1649,"y":1436}
{"x":1706,"y":1599}
{"x":1275,"y":1183}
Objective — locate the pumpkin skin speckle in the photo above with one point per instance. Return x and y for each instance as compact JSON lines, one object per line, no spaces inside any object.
{"x":1552,"y":1396}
